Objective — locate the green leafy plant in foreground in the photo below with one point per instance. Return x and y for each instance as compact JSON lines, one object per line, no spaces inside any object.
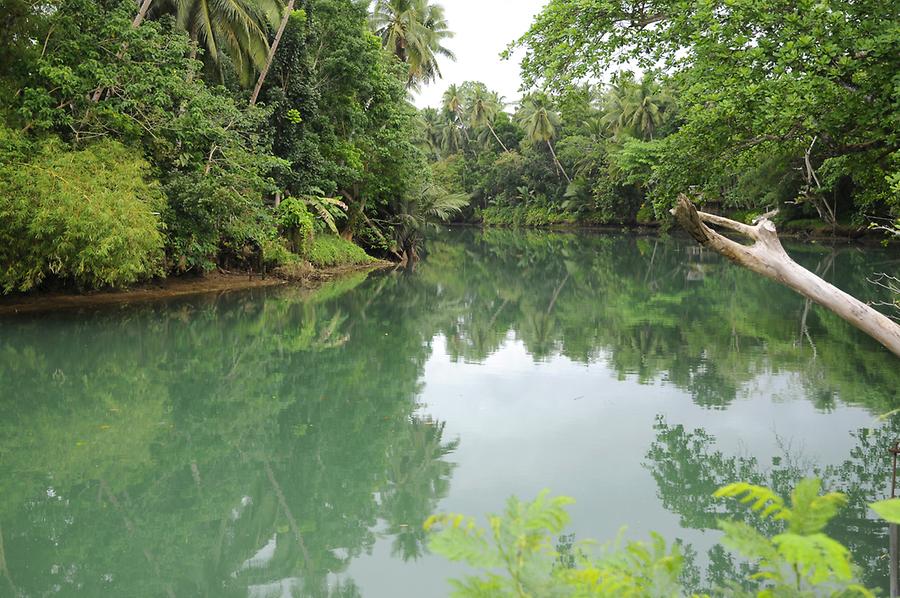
{"x":517,"y":550}
{"x":520,"y":543}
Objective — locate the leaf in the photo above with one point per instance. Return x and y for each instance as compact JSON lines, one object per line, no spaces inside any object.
{"x":889,"y":509}
{"x":476,"y":587}
{"x":461,"y":540}
{"x":765,"y":501}
{"x":747,"y":541}
{"x":547,"y":515}
{"x":817,"y":556}
{"x":810,"y":512}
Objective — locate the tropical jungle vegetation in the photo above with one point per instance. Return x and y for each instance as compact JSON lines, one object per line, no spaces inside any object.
{"x":165,"y":137}
{"x":750,"y":104}
{"x":131,"y":145}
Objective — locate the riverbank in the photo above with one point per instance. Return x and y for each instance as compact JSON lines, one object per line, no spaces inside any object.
{"x":794,"y":230}
{"x":216,"y":282}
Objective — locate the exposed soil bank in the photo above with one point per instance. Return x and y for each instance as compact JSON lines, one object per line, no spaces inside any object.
{"x":214,"y":282}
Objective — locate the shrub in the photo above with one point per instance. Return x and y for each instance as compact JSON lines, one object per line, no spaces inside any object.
{"x":275,"y":253}
{"x":297,"y":222}
{"x":208,"y":217}
{"x":331,"y":250}
{"x":86,"y":217}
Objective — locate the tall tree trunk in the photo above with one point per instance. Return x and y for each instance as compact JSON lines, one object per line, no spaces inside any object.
{"x":555,"y":159}
{"x":142,"y":12}
{"x":494,"y":133}
{"x":767,"y":257}
{"x":262,"y":75}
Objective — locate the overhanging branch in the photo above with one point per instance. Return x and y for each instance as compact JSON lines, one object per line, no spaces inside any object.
{"x":766,"y":256}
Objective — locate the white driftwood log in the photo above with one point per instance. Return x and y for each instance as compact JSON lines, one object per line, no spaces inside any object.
{"x":767,"y":257}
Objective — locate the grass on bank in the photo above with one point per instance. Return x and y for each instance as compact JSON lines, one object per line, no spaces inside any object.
{"x":331,"y":250}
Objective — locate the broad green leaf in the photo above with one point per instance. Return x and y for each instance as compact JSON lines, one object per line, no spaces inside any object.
{"x":889,"y":509}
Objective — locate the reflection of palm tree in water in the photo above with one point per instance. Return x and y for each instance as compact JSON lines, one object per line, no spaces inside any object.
{"x":539,"y":331}
{"x":418,"y":477}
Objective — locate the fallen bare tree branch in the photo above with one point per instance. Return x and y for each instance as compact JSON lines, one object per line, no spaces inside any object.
{"x":767,"y":257}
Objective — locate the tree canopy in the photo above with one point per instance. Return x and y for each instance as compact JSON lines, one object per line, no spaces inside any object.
{"x":808,"y":87}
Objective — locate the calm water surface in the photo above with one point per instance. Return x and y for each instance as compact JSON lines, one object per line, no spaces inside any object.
{"x":268,"y":443}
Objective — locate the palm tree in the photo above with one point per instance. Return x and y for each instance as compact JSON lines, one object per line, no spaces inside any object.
{"x":288,"y":10}
{"x":413,"y":30}
{"x":636,"y":108}
{"x":452,"y":141}
{"x":646,"y":105}
{"x":616,"y":102}
{"x":454,"y":100}
{"x":414,"y":216}
{"x":238,"y":29}
{"x":454,"y":129}
{"x":431,"y":122}
{"x":540,"y":122}
{"x":483,"y":108}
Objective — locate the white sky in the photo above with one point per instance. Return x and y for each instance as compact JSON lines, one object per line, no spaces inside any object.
{"x":483,"y":29}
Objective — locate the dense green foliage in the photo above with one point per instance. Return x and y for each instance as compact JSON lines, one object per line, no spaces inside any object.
{"x":583,"y":156}
{"x":88,"y":217}
{"x":168,"y":89}
{"x":750,"y":104}
{"x":332,"y":250}
{"x":799,"y":560}
{"x":297,"y":222}
{"x":777,"y":104}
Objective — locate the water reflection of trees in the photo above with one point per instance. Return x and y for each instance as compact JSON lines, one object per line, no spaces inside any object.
{"x":688,"y":468}
{"x":265,"y":439}
{"x":659,"y":310}
{"x":232,"y":446}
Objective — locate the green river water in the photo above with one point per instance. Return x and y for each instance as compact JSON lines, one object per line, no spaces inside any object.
{"x":271,"y":443}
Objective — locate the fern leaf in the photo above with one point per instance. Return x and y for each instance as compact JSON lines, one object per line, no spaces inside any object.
{"x":765,"y":502}
{"x":810,"y":512}
{"x":460,"y":539}
{"x":818,"y":557}
{"x":747,"y":541}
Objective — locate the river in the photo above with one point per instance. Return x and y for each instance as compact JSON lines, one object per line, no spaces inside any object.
{"x":272,"y":443}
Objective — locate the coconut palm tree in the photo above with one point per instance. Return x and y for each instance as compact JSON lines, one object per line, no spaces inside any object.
{"x":455,"y":129}
{"x":272,"y":49}
{"x":616,"y":102}
{"x":414,"y":216}
{"x":540,"y":122}
{"x":635,"y":108}
{"x":452,"y":135}
{"x":432,"y":130}
{"x":483,"y":107}
{"x":238,"y":29}
{"x":455,"y":101}
{"x":646,"y":105}
{"x":414,"y":31}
